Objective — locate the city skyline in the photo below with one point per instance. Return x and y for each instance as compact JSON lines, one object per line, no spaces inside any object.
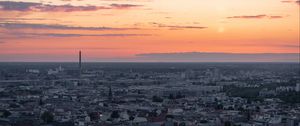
{"x":144,"y":30}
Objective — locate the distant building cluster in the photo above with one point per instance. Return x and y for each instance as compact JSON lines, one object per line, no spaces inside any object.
{"x":121,"y":94}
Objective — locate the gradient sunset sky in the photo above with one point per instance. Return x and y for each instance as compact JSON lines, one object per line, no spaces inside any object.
{"x":125,"y":30}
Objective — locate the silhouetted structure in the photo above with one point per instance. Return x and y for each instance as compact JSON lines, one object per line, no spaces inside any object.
{"x":110,"y":94}
{"x":79,"y":64}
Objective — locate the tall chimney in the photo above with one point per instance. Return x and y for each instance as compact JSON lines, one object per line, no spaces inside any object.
{"x":80,"y":63}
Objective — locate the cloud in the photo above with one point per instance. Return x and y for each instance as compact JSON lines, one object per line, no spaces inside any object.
{"x":22,"y":35}
{"x":40,"y":7}
{"x":261,"y":16}
{"x":55,"y":26}
{"x":130,"y":0}
{"x":290,"y":46}
{"x":67,"y":8}
{"x":274,"y":17}
{"x":124,"y":6}
{"x":176,"y":27}
{"x":31,"y":6}
{"x":17,"y":6}
{"x":84,"y":35}
{"x":291,"y":1}
{"x":114,"y":0}
{"x":220,"y":57}
{"x":17,"y":19}
{"x":286,"y":1}
{"x":274,"y":45}
{"x":249,"y":16}
{"x":84,"y":48}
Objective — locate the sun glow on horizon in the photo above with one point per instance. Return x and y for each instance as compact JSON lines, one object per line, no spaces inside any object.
{"x":105,"y":29}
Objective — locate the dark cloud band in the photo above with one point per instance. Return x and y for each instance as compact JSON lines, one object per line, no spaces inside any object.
{"x":177,"y":26}
{"x":255,"y":17}
{"x":221,"y":57}
{"x":40,"y":7}
{"x":55,"y":26}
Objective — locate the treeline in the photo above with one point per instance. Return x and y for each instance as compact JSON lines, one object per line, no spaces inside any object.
{"x":290,"y":97}
{"x":252,"y":94}
{"x":243,"y":92}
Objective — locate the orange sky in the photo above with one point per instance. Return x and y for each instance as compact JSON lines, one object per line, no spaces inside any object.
{"x":112,"y":29}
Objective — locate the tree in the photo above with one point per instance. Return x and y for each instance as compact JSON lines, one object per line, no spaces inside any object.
{"x":179,"y":95}
{"x":203,"y":121}
{"x":182,"y":124}
{"x":248,"y":114}
{"x":257,"y":109}
{"x":115,"y":114}
{"x":153,"y":113}
{"x":219,"y":106}
{"x":171,"y":96}
{"x":47,"y":117}
{"x":230,"y":108}
{"x":227,"y":123}
{"x":41,"y":102}
{"x":94,"y":116}
{"x":5,"y":113}
{"x":131,"y":118}
{"x":157,"y":99}
{"x":139,"y":92}
{"x":290,"y":97}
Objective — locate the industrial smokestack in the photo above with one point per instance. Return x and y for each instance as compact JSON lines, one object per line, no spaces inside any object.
{"x":79,"y":63}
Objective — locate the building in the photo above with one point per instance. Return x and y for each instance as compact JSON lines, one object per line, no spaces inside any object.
{"x":297,"y":88}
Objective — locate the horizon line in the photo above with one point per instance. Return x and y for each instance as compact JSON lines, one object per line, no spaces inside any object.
{"x":145,"y":62}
